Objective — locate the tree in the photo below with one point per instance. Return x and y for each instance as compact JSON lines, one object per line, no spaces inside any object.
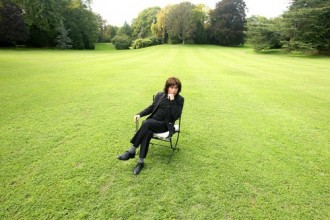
{"x":63,"y":40}
{"x":83,"y":25}
{"x":228,"y":23}
{"x":180,"y":22}
{"x":123,"y":39}
{"x":12,"y":25}
{"x":107,"y":33}
{"x":42,"y":14}
{"x":141,"y":26}
{"x":102,"y":26}
{"x":263,"y":33}
{"x":159,"y":28}
{"x":125,"y":30}
{"x":201,"y":17}
{"x":308,"y":25}
{"x":298,"y":4}
{"x":47,"y":14}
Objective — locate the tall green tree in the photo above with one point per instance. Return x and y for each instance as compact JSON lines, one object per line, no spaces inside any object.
{"x":141,"y":26}
{"x":63,"y":40}
{"x":227,"y":22}
{"x":126,"y":29}
{"x":264,"y":33}
{"x":102,"y":26}
{"x":159,"y":28}
{"x":201,"y":17}
{"x":308,"y":25}
{"x":84,"y":26}
{"x":106,"y":32}
{"x":12,"y":26}
{"x":42,"y":14}
{"x":180,"y":22}
{"x":110,"y":32}
{"x":123,"y":38}
{"x":42,"y":17}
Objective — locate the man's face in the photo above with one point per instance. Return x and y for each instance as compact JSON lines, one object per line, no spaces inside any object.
{"x":173,"y":90}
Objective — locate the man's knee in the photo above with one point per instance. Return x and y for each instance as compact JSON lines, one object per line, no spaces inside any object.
{"x":145,"y":123}
{"x":149,"y":122}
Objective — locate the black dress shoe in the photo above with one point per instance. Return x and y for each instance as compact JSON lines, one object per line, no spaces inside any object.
{"x":138,"y":168}
{"x":126,"y":156}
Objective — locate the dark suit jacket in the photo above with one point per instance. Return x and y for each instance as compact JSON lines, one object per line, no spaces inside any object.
{"x":173,"y":113}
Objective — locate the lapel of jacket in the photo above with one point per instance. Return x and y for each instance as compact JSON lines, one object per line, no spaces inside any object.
{"x":157,"y":102}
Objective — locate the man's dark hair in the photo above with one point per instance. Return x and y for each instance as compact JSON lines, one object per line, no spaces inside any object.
{"x":172,"y":81}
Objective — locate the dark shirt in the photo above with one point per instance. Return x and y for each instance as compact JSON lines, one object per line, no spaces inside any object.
{"x":160,"y":113}
{"x":170,"y":111}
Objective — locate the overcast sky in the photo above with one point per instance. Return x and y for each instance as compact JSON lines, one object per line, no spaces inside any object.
{"x":119,"y":11}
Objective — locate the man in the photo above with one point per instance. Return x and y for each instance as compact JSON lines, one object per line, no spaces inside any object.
{"x":163,"y":112}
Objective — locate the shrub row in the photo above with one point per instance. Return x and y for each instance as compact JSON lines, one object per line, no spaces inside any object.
{"x":145,"y":42}
{"x":123,"y":42}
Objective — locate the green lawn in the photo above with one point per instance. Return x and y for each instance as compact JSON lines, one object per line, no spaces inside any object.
{"x":254,"y":143}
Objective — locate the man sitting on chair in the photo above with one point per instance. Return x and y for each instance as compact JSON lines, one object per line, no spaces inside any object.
{"x":163,"y":112}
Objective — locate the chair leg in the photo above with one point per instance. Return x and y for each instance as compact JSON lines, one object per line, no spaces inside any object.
{"x":176,"y":141}
{"x":174,"y":146}
{"x":173,"y":142}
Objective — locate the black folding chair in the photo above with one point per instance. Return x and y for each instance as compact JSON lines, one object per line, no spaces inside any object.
{"x":172,"y":138}
{"x":166,"y":139}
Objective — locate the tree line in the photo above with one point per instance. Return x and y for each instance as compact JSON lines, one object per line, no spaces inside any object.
{"x":48,"y":23}
{"x":305,"y":26}
{"x":72,"y":24}
{"x":182,"y":23}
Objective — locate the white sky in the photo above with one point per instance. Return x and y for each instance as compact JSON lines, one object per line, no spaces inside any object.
{"x":116,"y":12}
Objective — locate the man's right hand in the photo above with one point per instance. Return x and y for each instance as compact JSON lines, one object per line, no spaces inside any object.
{"x":136,"y":118}
{"x":170,"y":96}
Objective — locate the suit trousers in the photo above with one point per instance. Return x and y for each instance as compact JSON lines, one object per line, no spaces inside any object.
{"x":144,"y":134}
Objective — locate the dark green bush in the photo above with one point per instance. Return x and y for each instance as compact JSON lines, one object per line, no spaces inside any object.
{"x":145,"y":42}
{"x":141,"y":43}
{"x":155,"y":40}
{"x":121,"y":42}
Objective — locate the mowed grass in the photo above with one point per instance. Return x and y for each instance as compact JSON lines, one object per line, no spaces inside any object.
{"x":254,"y":143}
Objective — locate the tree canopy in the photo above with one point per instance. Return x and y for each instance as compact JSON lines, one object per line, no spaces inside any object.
{"x":12,"y":26}
{"x":228,"y":23}
{"x":63,"y":40}
{"x":159,"y":28}
{"x":308,"y":25}
{"x":264,"y":33}
{"x":180,"y":22}
{"x":141,"y":25}
{"x":42,"y":19}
